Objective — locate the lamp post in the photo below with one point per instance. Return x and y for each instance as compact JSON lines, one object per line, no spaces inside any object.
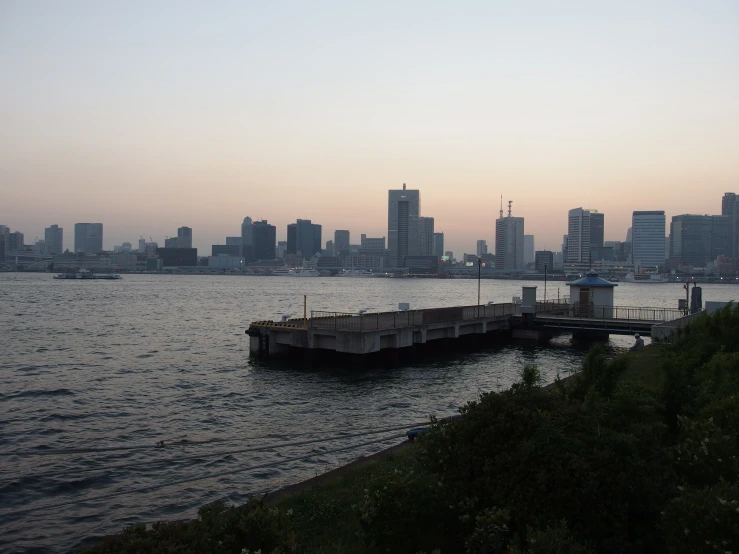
{"x":545,"y":283}
{"x":479,"y":270}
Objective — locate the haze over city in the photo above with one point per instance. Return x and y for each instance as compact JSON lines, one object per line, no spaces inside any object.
{"x":149,"y":116}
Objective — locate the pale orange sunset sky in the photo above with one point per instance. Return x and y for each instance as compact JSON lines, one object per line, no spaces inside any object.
{"x":146,"y":116}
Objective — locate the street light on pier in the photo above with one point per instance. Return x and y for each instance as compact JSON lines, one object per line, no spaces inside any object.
{"x":545,"y":283}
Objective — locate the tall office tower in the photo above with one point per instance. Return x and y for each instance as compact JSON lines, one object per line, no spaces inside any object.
{"x":425,"y":236}
{"x":564,"y":249}
{"x":265,"y":241}
{"x":184,"y":237}
{"x":482,"y":248}
{"x":329,"y":248}
{"x":696,"y":240}
{"x":509,"y":253}
{"x":54,"y":239}
{"x":4,"y":230}
{"x":730,"y":208}
{"x":247,"y":239}
{"x":341,"y":240}
{"x":438,"y":245}
{"x":597,"y":228}
{"x":648,"y":239}
{"x":88,"y":238}
{"x":528,"y":249}
{"x":403,"y":206}
{"x":303,"y":237}
{"x":578,"y":236}
{"x":14,"y":242}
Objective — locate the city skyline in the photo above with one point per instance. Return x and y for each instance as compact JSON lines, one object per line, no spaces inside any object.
{"x":200,"y":116}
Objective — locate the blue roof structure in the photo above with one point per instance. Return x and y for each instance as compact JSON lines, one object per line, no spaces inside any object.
{"x":592,"y":280}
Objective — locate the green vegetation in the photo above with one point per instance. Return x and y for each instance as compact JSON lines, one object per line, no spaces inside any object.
{"x":635,"y":454}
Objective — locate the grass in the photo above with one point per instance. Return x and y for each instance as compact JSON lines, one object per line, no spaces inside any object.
{"x":644,"y":368}
{"x":324,"y":515}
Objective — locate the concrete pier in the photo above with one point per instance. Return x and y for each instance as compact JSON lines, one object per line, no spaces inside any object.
{"x":404,"y":331}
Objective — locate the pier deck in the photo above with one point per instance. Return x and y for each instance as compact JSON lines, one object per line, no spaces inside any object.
{"x":368,"y":333}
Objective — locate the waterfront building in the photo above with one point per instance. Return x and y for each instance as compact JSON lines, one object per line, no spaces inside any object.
{"x":403,"y":206}
{"x":40,"y":247}
{"x":304,"y":238}
{"x":438,"y":245}
{"x":233,"y":241}
{"x":54,"y":237}
{"x":184,"y":237}
{"x":281,"y":249}
{"x":171,"y":242}
{"x":697,"y":240}
{"x":247,"y":238}
{"x":2,"y":248}
{"x":648,"y":239}
{"x":177,"y":257}
{"x":597,"y":228}
{"x":578,"y":236}
{"x":341,"y":240}
{"x":425,"y":236}
{"x":509,"y":232}
{"x":265,"y":239}
{"x":365,"y":261}
{"x":563,"y":253}
{"x":88,"y":238}
{"x":368,"y":243}
{"x":602,"y":253}
{"x":542,"y":257}
{"x":126,"y":247}
{"x":482,"y":248}
{"x":225,"y":249}
{"x":226,"y":261}
{"x":329,"y":248}
{"x":730,"y":209}
{"x":15,"y":242}
{"x":421,"y":264}
{"x":528,"y":249}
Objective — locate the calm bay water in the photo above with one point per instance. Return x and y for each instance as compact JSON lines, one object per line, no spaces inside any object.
{"x":85,"y":365}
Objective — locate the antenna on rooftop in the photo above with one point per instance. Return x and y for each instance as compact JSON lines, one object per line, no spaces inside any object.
{"x":403,"y":186}
{"x":510,"y":203}
{"x":501,"y":205}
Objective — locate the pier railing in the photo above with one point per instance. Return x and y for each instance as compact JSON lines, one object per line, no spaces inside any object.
{"x":629,"y":313}
{"x":407,"y":318}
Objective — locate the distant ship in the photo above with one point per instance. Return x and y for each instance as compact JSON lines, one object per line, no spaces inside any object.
{"x":356,"y":273}
{"x":84,"y":274}
{"x":650,"y":278}
{"x":296,"y":272}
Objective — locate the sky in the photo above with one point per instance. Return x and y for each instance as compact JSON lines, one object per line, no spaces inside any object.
{"x":147,"y":116}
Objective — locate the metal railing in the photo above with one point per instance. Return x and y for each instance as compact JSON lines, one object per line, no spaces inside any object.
{"x":628,"y":313}
{"x":407,"y":318}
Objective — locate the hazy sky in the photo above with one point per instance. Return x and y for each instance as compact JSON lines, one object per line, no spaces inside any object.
{"x":149,"y":115}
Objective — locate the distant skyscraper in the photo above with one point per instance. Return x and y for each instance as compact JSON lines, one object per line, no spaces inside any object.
{"x":438,"y":245}
{"x":171,"y":242}
{"x":578,"y":236}
{"x":281,"y":249}
{"x":303,"y":237}
{"x":542,"y":258}
{"x":648,"y":239}
{"x":233,"y":241}
{"x":54,"y":239}
{"x":730,"y":209}
{"x":14,"y":242}
{"x":425,"y":236}
{"x":247,"y":239}
{"x":329,"y":248}
{"x":341,"y":240}
{"x":509,"y":251}
{"x":369,"y":243}
{"x":88,"y":238}
{"x":482,"y":248}
{"x":696,"y":240}
{"x":528,"y":249}
{"x":597,"y":228}
{"x":265,"y":240}
{"x":403,"y":206}
{"x":184,"y":237}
